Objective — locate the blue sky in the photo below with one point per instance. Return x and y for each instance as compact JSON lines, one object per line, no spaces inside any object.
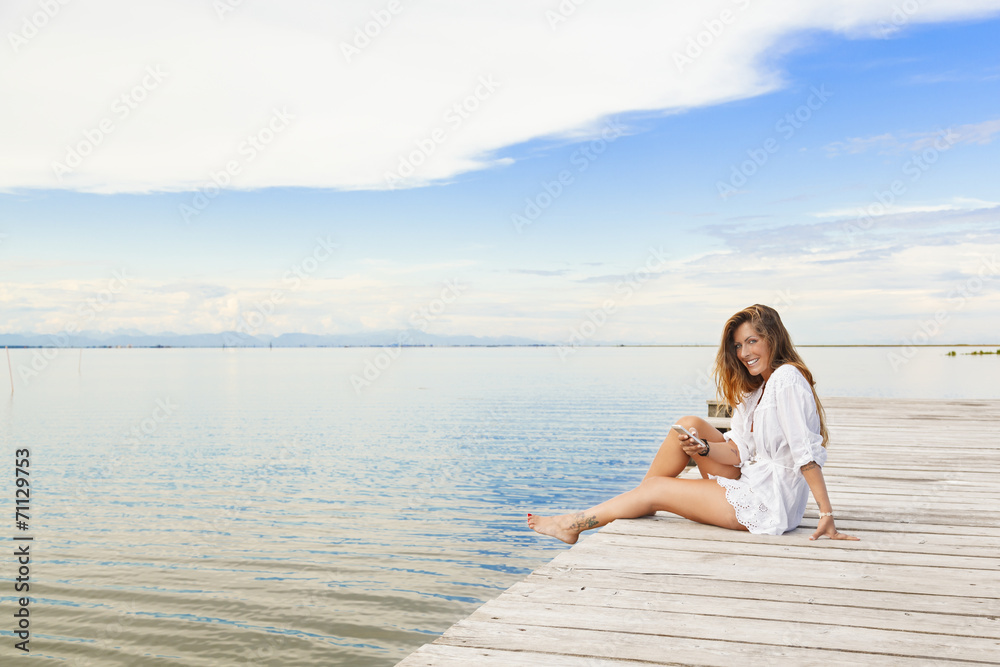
{"x":637,"y":239}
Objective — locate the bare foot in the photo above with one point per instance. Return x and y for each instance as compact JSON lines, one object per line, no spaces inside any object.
{"x":565,"y":527}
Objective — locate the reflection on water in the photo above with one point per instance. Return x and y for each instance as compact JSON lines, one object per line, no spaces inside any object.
{"x":230,"y":507}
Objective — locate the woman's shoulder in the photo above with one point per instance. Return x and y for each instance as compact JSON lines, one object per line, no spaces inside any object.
{"x":788,"y":375}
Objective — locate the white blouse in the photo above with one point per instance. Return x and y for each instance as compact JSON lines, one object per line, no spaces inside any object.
{"x":771,"y":494}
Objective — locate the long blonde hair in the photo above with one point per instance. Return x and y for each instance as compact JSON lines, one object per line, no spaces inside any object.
{"x":734,"y":382}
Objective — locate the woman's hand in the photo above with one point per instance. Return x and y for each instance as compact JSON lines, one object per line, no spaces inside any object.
{"x":689,"y":446}
{"x":827,"y":528}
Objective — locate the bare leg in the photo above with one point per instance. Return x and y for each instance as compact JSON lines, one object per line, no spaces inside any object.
{"x":671,"y":460}
{"x":700,"y":500}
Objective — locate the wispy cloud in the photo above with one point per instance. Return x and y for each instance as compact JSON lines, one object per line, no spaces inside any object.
{"x":541,"y":272}
{"x":834,"y":241}
{"x":910,"y":142}
{"x":955,"y":204}
{"x":953,"y":76}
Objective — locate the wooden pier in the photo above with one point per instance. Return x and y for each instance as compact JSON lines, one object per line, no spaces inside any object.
{"x":918,"y":481}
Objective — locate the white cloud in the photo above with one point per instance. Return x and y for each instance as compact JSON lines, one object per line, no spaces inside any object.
{"x":955,"y":204}
{"x":164,"y":95}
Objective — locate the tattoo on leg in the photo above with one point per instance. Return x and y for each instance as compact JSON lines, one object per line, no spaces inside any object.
{"x":582,"y":522}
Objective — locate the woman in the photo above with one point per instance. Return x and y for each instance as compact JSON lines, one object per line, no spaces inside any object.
{"x":758,"y":475}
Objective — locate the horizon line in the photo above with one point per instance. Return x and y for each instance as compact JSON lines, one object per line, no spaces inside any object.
{"x":293,"y":347}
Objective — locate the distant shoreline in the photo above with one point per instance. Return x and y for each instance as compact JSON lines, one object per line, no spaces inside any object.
{"x":554,"y":345}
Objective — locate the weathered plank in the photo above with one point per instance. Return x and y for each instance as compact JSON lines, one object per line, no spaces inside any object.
{"x":792,"y":593}
{"x":669,"y":624}
{"x":885,"y":552}
{"x":654,"y":648}
{"x":777,"y":571}
{"x":922,"y":542}
{"x":707,"y":603}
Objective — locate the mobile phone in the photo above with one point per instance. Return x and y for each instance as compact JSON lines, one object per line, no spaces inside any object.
{"x":683,"y":431}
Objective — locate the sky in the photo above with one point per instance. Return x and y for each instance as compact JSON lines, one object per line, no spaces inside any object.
{"x":570,"y":172}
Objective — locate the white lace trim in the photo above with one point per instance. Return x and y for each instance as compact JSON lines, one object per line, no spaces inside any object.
{"x":750,"y":512}
{"x":782,"y":378}
{"x":787,"y":375}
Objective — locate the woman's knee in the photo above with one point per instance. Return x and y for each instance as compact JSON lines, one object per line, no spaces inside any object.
{"x":688,"y":421}
{"x":648,"y":485}
{"x":699,"y":424}
{"x":651,"y":488}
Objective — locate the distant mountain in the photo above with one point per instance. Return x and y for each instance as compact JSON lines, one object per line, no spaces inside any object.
{"x":135,"y":338}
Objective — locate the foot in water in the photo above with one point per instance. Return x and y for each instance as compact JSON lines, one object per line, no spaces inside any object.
{"x":565,"y":527}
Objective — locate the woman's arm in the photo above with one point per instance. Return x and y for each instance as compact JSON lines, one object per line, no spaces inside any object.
{"x":814,"y":478}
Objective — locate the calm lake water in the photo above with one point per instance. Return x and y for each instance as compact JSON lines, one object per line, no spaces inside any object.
{"x":253,"y":507}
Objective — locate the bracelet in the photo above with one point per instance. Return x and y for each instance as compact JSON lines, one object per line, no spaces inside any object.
{"x":707,"y":449}
{"x":823,"y":514}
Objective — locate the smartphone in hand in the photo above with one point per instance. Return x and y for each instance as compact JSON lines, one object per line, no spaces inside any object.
{"x":683,"y":431}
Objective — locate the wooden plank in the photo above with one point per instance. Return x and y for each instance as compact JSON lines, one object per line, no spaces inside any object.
{"x":850,"y":523}
{"x":803,"y":634}
{"x":843,"y":552}
{"x":901,"y":551}
{"x":980,"y":625}
{"x":917,"y":542}
{"x":792,"y":593}
{"x":444,"y":655}
{"x":829,"y":574}
{"x":858,"y":520}
{"x":666,"y":649}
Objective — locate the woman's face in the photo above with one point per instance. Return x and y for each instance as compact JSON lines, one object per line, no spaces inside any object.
{"x":752,"y":350}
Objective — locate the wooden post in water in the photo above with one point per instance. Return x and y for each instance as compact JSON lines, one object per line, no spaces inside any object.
{"x":10,"y":369}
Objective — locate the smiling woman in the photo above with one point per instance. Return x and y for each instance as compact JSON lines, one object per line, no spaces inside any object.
{"x":759,"y":474}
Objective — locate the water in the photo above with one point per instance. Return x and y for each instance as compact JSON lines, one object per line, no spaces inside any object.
{"x":231,"y":507}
